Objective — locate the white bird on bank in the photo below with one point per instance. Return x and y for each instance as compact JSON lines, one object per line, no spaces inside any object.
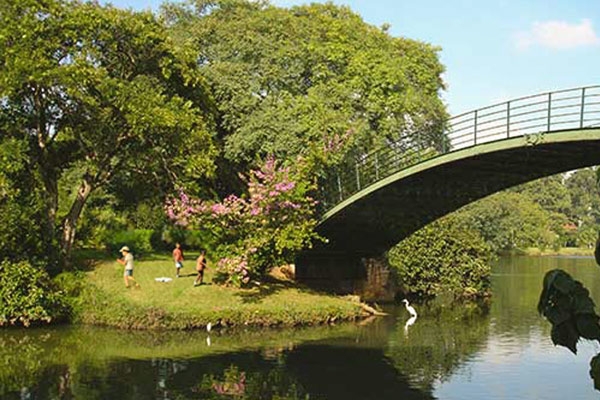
{"x":411,"y":310}
{"x":208,"y":327}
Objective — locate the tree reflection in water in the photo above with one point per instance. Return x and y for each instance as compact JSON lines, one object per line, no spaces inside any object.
{"x":436,"y":346}
{"x":344,"y":362}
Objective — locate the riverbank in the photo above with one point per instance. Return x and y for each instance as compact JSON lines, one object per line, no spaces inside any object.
{"x":563,"y":251}
{"x":177,"y":304}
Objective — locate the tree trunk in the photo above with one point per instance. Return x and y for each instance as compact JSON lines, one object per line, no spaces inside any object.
{"x":50,"y":183}
{"x":51,"y":187}
{"x":69,"y":226}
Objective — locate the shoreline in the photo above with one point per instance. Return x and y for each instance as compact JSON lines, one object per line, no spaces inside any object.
{"x":562,"y":252}
{"x":178,"y":305}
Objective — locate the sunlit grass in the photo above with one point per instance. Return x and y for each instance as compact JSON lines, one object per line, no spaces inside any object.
{"x":563,"y":251}
{"x":178,"y":304}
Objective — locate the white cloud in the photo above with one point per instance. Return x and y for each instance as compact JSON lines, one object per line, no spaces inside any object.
{"x":558,"y":35}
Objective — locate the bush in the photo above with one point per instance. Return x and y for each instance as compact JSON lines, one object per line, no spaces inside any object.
{"x":23,"y":216}
{"x":264,"y":228}
{"x":189,"y":239}
{"x":442,"y":258}
{"x":138,"y":240}
{"x":28,"y":295}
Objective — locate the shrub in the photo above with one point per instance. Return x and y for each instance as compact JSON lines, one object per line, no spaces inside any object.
{"x":189,"y":238}
{"x":443,"y":258}
{"x":71,"y":285}
{"x":260,"y":230}
{"x":138,"y":240}
{"x":28,"y":295}
{"x":24,"y":233}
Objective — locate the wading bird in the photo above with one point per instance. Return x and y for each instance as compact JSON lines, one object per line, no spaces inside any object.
{"x":410,"y":309}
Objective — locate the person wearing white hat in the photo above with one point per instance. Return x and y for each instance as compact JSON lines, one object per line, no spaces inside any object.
{"x":127,"y":261}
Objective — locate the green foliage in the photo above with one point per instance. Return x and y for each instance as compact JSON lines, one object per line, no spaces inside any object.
{"x":21,"y":207}
{"x":138,"y":240}
{"x":595,"y":371}
{"x":262,"y":230}
{"x":509,"y":220}
{"x":585,"y":199}
{"x":288,"y":81}
{"x":443,"y":258}
{"x":106,"y":97}
{"x":551,"y":193}
{"x":567,"y":305}
{"x":188,"y":238}
{"x":71,"y":285}
{"x":28,"y":296}
{"x":557,"y":211}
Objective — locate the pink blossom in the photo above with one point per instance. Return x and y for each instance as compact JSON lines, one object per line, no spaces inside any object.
{"x":184,"y":197}
{"x":170,"y":213}
{"x":289,"y":204}
{"x":254,"y":211}
{"x":285,"y":186}
{"x":219,"y":209}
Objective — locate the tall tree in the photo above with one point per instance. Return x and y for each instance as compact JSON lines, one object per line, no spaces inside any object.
{"x":585,"y":204}
{"x":22,"y":237}
{"x":509,"y":220}
{"x":288,"y":80}
{"x":101,"y":90}
{"x":549,"y":192}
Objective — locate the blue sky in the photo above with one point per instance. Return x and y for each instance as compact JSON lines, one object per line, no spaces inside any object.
{"x":493,"y":50}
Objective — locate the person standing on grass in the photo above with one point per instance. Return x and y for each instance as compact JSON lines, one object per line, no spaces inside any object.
{"x":127,"y":261}
{"x":200,"y":267}
{"x":178,"y":258}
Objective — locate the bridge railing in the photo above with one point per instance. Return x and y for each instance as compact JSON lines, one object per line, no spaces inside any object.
{"x":547,"y":112}
{"x":553,"y":111}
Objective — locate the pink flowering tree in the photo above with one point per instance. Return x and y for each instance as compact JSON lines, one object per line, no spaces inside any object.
{"x":264,"y":228}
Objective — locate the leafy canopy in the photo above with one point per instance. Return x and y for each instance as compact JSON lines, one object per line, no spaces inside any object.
{"x":107,"y":94}
{"x":287,"y":80}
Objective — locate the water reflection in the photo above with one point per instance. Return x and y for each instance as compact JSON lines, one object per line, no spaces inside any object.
{"x":345,"y":362}
{"x":438,"y":344}
{"x":409,"y":322}
{"x":460,"y":352}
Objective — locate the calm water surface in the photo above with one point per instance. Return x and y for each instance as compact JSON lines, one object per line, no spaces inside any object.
{"x":503,"y":352}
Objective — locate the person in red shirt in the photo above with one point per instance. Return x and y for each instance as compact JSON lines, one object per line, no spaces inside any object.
{"x":178,"y":258}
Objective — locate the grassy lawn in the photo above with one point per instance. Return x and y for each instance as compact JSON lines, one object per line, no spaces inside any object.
{"x":563,"y":251}
{"x":179,"y":305}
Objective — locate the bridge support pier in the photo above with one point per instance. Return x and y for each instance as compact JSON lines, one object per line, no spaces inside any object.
{"x":344,"y":272}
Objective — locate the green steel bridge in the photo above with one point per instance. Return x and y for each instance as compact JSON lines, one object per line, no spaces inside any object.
{"x":392,"y":192}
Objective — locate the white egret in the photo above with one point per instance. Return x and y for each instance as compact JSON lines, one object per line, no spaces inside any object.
{"x":208,"y":327}
{"x":411,"y":310}
{"x":409,"y":322}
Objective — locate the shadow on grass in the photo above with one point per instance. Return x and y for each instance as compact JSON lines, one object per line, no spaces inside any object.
{"x":88,"y":259}
{"x":270,"y":286}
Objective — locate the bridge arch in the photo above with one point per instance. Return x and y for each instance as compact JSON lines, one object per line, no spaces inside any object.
{"x":487,"y":150}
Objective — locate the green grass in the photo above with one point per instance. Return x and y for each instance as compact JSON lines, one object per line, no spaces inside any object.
{"x":180,"y":305}
{"x":563,"y":251}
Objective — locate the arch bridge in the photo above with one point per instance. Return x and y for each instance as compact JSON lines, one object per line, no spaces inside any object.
{"x":394,"y":191}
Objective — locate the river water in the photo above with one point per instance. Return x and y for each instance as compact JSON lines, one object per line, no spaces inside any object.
{"x":501,"y":352}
